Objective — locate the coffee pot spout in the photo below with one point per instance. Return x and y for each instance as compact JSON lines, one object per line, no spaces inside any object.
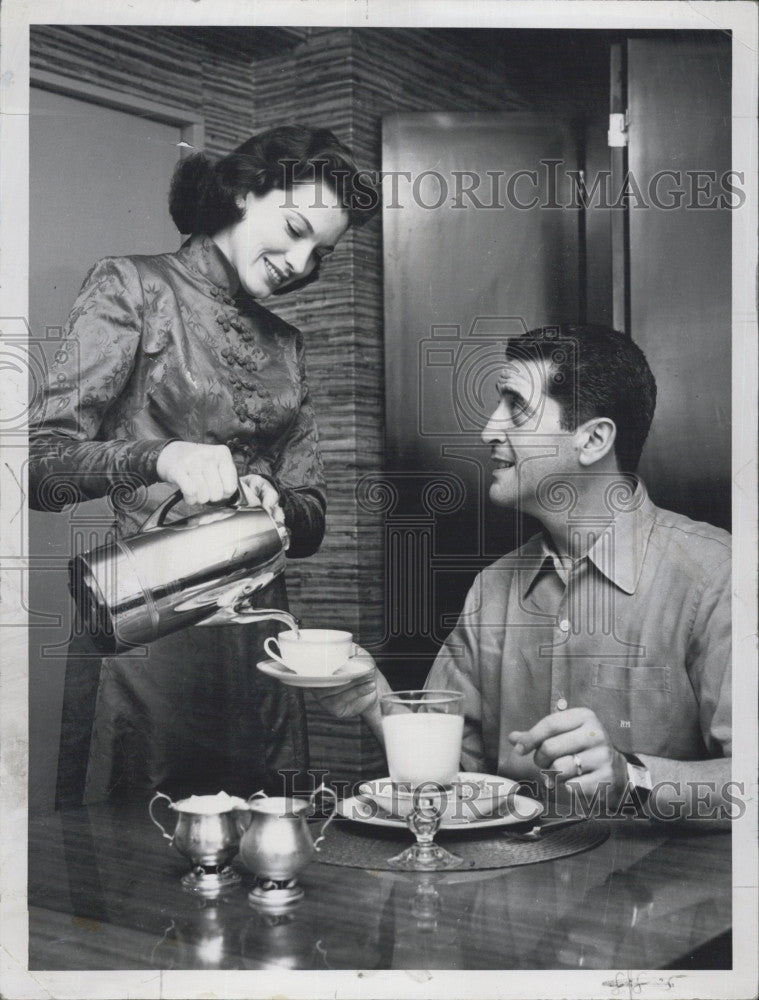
{"x":244,"y":617}
{"x":241,"y":613}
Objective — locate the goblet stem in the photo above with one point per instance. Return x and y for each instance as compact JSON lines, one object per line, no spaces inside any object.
{"x":432,"y":859}
{"x":425,"y":855}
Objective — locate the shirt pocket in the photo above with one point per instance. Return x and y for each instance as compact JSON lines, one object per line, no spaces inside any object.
{"x":634,"y":704}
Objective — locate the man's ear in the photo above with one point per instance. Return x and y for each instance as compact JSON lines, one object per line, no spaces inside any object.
{"x":596,"y":439}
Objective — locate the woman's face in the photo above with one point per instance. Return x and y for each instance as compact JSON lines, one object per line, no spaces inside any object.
{"x":282,"y":236}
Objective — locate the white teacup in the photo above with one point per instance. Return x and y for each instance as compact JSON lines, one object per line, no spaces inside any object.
{"x":312,"y":652}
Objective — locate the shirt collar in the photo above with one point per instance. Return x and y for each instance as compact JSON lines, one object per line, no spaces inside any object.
{"x":536,"y":552}
{"x":619,"y":550}
{"x":202,"y":255}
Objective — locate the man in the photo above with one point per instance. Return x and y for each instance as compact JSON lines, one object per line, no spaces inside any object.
{"x":596,"y":657}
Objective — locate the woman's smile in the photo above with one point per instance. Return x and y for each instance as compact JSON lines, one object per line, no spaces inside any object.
{"x":276,"y":276}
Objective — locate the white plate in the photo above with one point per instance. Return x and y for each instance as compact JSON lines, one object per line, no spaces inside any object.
{"x":354,"y":668}
{"x":472,"y":796}
{"x":514,"y":809}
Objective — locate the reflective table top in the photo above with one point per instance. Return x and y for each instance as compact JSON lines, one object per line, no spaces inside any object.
{"x":105,"y":893}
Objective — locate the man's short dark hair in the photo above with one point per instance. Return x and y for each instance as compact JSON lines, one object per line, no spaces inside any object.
{"x":595,"y":371}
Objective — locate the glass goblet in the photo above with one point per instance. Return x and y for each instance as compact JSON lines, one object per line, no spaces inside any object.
{"x":422,"y":732}
{"x":425,"y":855}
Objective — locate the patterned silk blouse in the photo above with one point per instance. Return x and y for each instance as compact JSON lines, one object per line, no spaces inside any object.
{"x":166,"y":348}
{"x":169,"y":347}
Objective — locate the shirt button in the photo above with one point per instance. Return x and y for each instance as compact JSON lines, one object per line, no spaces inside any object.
{"x":561,"y":704}
{"x":564,"y":625}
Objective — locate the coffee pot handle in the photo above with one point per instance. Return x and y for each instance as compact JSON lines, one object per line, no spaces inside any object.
{"x":156,"y":519}
{"x":325,"y":791}
{"x":160,"y":795}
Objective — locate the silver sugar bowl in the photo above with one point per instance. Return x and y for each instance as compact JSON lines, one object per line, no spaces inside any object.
{"x":277,"y":845}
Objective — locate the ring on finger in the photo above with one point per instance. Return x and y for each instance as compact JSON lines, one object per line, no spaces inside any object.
{"x":578,"y":764}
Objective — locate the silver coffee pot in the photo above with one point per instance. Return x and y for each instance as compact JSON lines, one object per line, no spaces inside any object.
{"x":202,"y":569}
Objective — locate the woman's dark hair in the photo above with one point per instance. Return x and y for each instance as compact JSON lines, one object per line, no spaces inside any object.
{"x":204,"y":194}
{"x":595,"y":371}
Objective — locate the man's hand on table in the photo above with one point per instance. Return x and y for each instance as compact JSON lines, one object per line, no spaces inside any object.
{"x":563,"y":740}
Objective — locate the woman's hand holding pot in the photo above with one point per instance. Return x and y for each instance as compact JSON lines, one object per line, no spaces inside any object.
{"x":205,"y":473}
{"x":259,"y":492}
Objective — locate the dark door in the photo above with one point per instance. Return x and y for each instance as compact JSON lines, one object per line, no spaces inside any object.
{"x":680,"y":262}
{"x":479,"y":244}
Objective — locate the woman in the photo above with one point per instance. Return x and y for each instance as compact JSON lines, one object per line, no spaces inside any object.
{"x":175,"y":377}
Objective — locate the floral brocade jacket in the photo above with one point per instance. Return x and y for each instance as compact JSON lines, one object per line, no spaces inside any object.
{"x":168,"y":347}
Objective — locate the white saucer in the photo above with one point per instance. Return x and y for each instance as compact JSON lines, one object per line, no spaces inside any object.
{"x":471,"y":796}
{"x":513,"y":809}
{"x":354,"y":668}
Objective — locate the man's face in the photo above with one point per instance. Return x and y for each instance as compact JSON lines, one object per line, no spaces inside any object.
{"x":527,"y":440}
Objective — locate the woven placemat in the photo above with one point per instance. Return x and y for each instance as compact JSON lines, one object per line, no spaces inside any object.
{"x":356,"y":845}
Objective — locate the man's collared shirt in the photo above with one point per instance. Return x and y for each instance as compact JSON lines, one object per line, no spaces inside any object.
{"x":638,"y":630}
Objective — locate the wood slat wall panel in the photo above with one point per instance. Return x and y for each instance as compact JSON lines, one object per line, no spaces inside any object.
{"x":132,"y":60}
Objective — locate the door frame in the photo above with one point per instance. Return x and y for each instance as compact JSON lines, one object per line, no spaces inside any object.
{"x":187,"y":123}
{"x":190,"y":121}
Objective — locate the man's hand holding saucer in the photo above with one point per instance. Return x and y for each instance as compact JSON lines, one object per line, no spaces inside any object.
{"x":359,"y":697}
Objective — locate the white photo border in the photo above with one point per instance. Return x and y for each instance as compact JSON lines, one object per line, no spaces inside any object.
{"x":736,"y":16}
